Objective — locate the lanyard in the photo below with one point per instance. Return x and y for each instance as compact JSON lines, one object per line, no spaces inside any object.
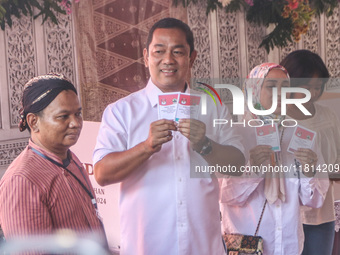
{"x":93,"y":200}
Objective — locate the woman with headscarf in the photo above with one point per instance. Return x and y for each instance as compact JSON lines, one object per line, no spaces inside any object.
{"x":46,"y":188}
{"x":277,"y":194}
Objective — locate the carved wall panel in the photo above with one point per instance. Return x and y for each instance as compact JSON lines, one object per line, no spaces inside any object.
{"x":234,"y":58}
{"x":29,"y":49}
{"x":21,"y":62}
{"x":227,"y":46}
{"x":229,"y":49}
{"x":323,"y":38}
{"x":199,"y":23}
{"x":332,"y":46}
{"x":283,"y":52}
{"x":9,"y":151}
{"x":255,"y":55}
{"x":60,"y":47}
{"x":311,"y":40}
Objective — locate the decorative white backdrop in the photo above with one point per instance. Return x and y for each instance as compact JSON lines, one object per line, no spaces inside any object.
{"x":227,"y":48}
{"x":228,"y":44}
{"x":29,"y":49}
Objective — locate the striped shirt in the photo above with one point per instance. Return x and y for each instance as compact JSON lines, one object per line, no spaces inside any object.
{"x":37,"y":197}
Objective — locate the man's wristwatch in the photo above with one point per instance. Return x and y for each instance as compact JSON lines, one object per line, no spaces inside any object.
{"x":206,"y":148}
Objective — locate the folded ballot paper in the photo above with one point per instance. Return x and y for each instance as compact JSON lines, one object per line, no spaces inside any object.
{"x":268,"y":135}
{"x":302,"y":138}
{"x":176,"y":106}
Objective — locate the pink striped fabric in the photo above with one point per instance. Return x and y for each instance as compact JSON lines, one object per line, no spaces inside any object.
{"x":38,"y":197}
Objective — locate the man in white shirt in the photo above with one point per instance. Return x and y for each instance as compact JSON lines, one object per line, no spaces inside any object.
{"x":164,"y":210}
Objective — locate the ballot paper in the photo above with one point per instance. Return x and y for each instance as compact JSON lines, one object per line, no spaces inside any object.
{"x":268,"y":135}
{"x":167,"y":105}
{"x":188,"y":106}
{"x":302,"y":138}
{"x":176,"y":106}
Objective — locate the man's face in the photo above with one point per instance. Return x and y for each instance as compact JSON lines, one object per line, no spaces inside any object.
{"x":59,"y":126}
{"x":169,"y":59}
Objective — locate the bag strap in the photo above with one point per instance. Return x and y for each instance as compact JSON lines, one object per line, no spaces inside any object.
{"x":258,"y":224}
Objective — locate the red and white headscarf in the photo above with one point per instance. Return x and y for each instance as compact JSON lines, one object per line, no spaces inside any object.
{"x":254,"y":82}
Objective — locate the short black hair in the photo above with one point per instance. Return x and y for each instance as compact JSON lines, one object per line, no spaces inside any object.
{"x":305,"y":64}
{"x":172,"y":23}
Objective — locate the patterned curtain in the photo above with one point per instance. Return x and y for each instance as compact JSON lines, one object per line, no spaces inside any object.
{"x":111,"y":36}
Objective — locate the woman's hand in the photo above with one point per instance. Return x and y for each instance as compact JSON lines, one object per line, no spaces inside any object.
{"x":260,"y":154}
{"x":308,"y":160}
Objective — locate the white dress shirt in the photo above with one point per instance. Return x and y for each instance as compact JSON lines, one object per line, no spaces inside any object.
{"x":164,"y":208}
{"x":242,"y":201}
{"x":326,"y":123}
